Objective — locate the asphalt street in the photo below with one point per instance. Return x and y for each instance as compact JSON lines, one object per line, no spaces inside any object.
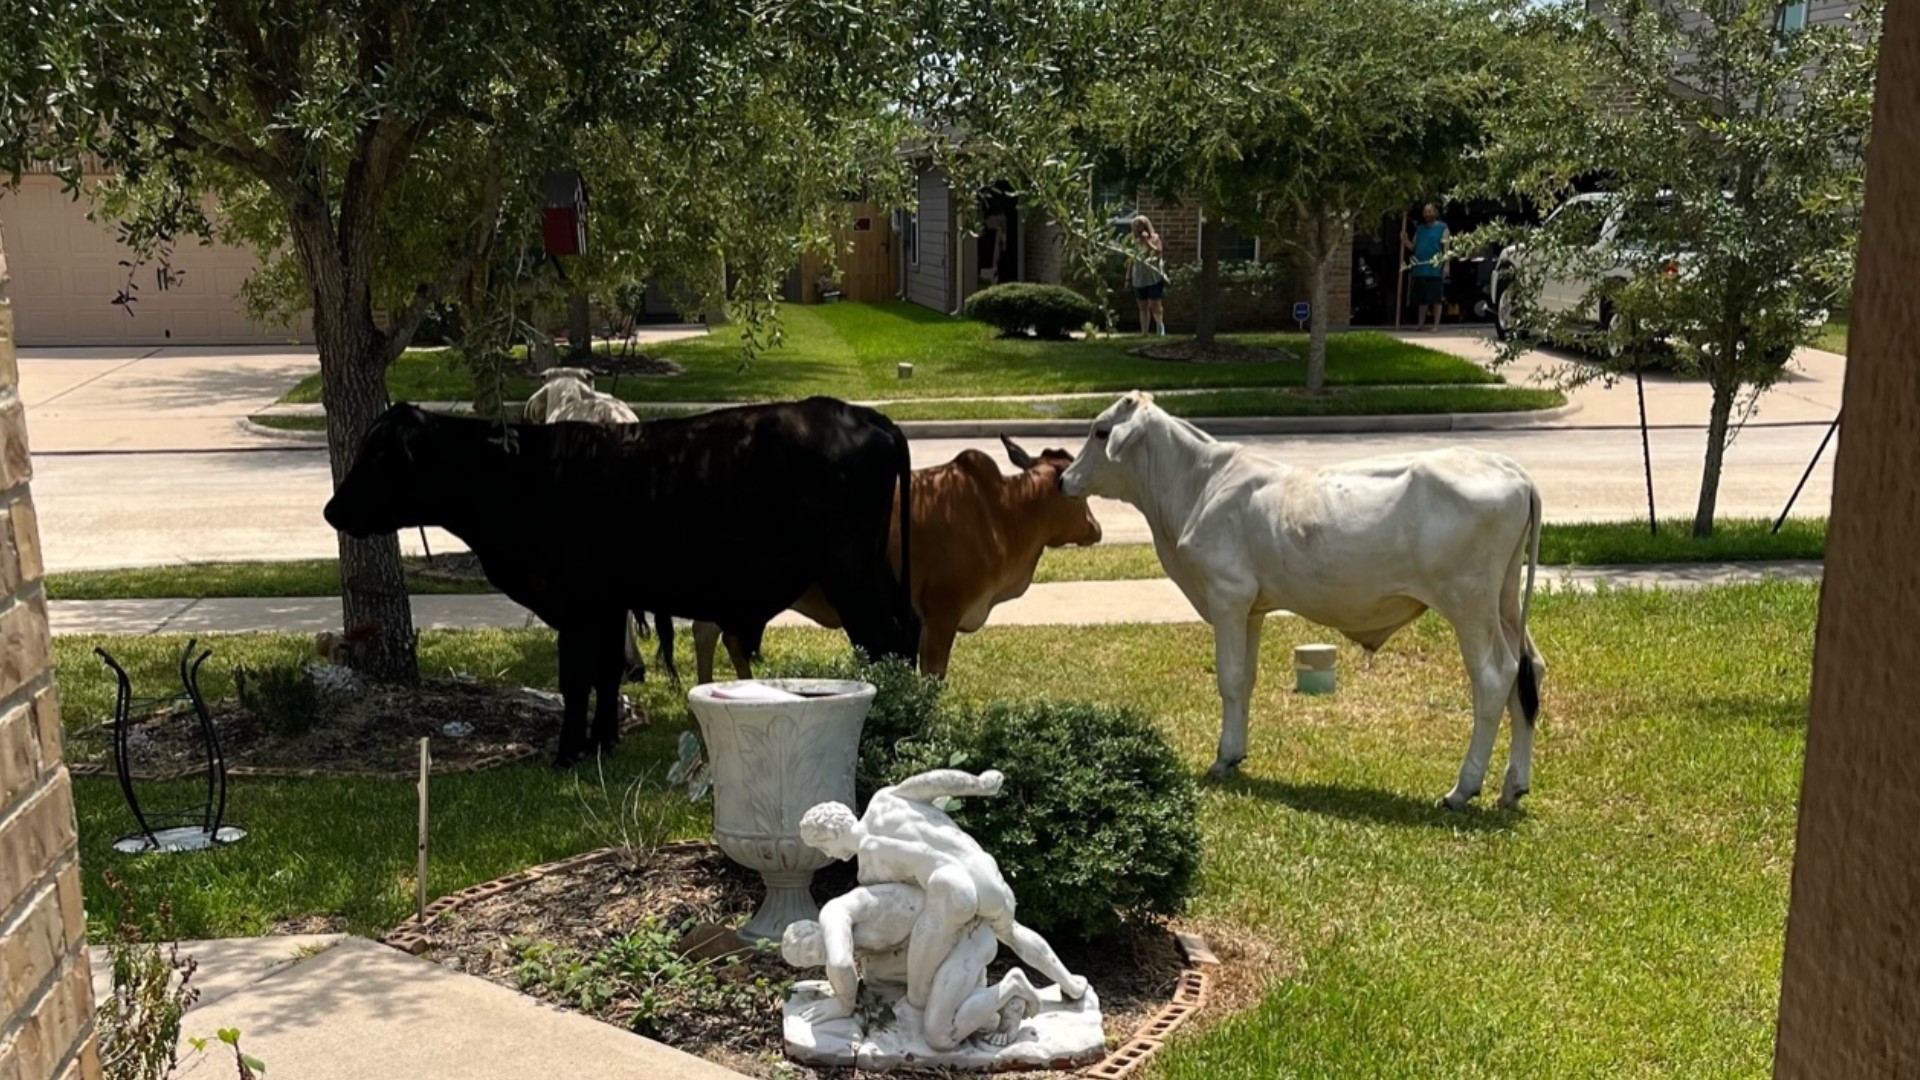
{"x":156,"y":508}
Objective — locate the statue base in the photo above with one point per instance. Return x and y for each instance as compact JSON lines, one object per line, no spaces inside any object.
{"x":1063,"y":1035}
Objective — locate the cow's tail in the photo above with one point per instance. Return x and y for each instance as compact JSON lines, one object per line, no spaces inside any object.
{"x":1528,"y":684}
{"x":910,"y":621}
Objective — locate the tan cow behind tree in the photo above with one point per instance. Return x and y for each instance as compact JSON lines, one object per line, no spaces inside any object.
{"x":977,"y":537}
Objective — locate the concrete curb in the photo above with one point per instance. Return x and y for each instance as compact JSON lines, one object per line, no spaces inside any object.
{"x":1257,"y":425}
{"x":1215,"y":425}
{"x":1191,"y":990}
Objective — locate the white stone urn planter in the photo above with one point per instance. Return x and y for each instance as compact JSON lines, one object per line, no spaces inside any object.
{"x":771,"y":761}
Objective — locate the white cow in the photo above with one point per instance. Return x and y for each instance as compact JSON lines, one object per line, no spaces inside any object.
{"x":568,"y":394}
{"x":1362,"y":548}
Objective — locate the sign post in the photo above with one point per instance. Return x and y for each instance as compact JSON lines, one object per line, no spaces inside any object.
{"x":1302,"y":313}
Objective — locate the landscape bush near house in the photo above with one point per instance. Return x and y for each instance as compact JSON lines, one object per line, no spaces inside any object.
{"x":1250,"y":295}
{"x":1098,"y":823}
{"x":1020,"y":308}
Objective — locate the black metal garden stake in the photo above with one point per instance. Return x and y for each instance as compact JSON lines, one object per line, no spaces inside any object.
{"x":184,"y":828}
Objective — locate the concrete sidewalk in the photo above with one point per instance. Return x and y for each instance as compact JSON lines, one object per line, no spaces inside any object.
{"x":1076,"y":603}
{"x":334,"y":1008}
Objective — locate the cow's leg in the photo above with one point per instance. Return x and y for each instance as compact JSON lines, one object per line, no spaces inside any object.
{"x":577,"y":654}
{"x":1491,"y":670}
{"x":636,"y":664}
{"x":1520,"y":749}
{"x":1236,"y":664}
{"x":744,"y":648}
{"x":936,"y":645}
{"x":609,"y":665}
{"x":706,"y":641}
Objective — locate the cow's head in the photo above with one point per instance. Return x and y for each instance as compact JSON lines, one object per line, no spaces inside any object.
{"x":1063,"y":519}
{"x":390,"y":486}
{"x":1119,"y":431}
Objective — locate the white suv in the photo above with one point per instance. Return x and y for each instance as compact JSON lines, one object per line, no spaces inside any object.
{"x":1564,"y":289}
{"x":1577,"y":290}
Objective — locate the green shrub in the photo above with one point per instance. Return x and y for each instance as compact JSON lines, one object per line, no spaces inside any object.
{"x":1021,"y":307}
{"x":283,"y":697}
{"x":1098,"y":823}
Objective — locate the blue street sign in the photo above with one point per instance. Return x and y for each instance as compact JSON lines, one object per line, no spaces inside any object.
{"x":1302,"y":311}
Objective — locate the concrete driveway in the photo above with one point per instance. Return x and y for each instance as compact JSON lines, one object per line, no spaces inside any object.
{"x":1807,"y":393}
{"x":128,"y":399}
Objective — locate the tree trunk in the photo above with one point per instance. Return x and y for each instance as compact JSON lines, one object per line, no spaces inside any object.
{"x":1716,"y":452}
{"x":540,"y":349}
{"x":1206,"y":297}
{"x":579,"y":327}
{"x":375,"y":613}
{"x":1317,"y":346}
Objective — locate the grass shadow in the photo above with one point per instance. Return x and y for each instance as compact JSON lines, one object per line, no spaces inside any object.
{"x":1354,"y":803}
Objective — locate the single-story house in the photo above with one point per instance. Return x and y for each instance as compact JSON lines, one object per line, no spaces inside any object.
{"x":939,"y":262}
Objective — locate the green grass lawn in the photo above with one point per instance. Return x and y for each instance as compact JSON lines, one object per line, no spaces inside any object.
{"x":1628,"y":922}
{"x":1590,"y":544}
{"x":1833,"y":336}
{"x":850,"y":351}
{"x":1345,"y":401}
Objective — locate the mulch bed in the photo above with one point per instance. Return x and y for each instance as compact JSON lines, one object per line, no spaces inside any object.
{"x":1187,"y":352}
{"x":372,"y":730}
{"x":586,"y":905}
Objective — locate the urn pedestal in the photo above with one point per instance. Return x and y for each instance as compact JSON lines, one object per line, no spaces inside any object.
{"x":771,"y":761}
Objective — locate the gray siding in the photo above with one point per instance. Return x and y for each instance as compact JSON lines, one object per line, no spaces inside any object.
{"x":930,"y":282}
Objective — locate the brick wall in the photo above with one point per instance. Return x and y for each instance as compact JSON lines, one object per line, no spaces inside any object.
{"x":46,"y":994}
{"x":1040,"y":238}
{"x":1271,"y":308}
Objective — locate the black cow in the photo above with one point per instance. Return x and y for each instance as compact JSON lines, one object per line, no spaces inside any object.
{"x":727,"y":517}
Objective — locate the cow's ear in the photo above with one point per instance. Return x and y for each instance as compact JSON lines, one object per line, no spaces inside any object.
{"x":1124,"y":435}
{"x":1020,"y":458}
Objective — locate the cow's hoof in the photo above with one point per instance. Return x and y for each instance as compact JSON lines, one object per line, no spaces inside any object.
{"x":1511,"y":800}
{"x":1457,"y":799}
{"x":1224,"y":770}
{"x":565,"y":761}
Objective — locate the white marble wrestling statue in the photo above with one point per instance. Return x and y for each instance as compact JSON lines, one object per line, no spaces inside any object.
{"x":874,"y":922}
{"x":929,"y":890}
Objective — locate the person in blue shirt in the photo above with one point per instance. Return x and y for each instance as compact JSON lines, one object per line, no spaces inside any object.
{"x":1427,"y":268}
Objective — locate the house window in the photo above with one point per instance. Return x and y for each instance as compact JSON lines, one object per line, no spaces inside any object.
{"x":908,"y":229}
{"x":1115,"y":197}
{"x":1791,"y":17}
{"x":1235,"y":246}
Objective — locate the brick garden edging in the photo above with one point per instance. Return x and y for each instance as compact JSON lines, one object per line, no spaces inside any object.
{"x":286,"y":772}
{"x":1190,"y":991}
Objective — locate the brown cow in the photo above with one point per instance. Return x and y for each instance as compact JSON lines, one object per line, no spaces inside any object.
{"x":977,"y":538}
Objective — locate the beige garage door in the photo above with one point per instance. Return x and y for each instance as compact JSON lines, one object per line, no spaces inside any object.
{"x":66,"y":271}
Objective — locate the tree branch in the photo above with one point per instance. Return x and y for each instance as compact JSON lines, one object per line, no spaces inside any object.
{"x":479,"y":247}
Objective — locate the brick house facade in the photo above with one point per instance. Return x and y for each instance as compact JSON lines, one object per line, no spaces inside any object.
{"x":938,"y":269}
{"x":46,"y":992}
{"x":1269,"y":308}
